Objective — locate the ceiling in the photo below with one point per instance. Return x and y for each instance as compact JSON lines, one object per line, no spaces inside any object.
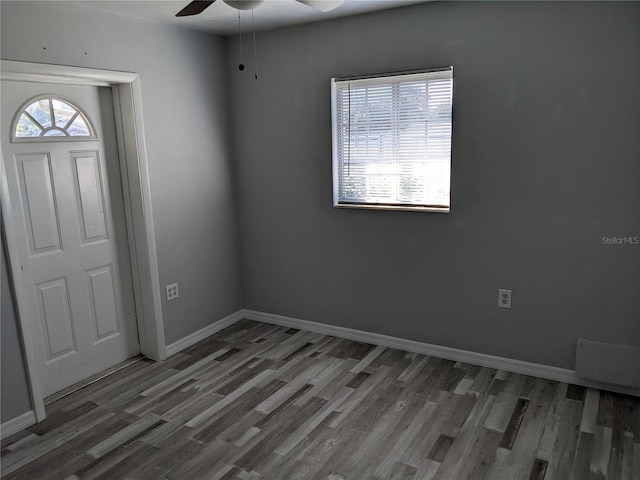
{"x":222,"y":19}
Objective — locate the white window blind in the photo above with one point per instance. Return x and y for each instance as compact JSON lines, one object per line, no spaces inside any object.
{"x":392,"y":140}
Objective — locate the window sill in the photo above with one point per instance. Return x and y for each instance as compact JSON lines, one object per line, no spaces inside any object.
{"x":407,"y":208}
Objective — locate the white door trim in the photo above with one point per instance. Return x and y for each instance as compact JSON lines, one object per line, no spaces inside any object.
{"x":138,"y":210}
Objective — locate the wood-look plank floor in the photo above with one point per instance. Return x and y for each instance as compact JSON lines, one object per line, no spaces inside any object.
{"x":257,"y":401}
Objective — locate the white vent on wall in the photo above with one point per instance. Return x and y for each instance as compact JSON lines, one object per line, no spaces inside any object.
{"x":608,"y":363}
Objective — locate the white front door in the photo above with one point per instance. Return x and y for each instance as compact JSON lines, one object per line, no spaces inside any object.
{"x":68,"y":213}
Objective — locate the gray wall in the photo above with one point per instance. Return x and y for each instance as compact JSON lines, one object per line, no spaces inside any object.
{"x":546,"y":161}
{"x":14,"y":391}
{"x":185,"y":110}
{"x":183,"y":80}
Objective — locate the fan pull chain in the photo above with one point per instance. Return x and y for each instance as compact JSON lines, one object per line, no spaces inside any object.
{"x":241,"y":66}
{"x":255,"y":48}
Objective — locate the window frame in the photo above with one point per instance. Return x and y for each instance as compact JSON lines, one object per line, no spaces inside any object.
{"x":43,"y":139}
{"x":337,"y":203}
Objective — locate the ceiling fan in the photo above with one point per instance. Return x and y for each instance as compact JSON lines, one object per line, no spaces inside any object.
{"x":197,"y":7}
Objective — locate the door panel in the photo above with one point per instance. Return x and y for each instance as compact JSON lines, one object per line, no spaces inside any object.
{"x":38,"y":204}
{"x":55,"y":318}
{"x":68,"y":212}
{"x":91,"y":203}
{"x":103,"y":301}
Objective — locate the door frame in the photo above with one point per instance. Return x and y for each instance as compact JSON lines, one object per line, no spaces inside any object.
{"x":127,"y":99}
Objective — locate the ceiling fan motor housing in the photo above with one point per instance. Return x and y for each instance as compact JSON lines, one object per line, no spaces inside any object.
{"x":243,"y":4}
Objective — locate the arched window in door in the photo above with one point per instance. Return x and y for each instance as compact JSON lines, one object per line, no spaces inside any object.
{"x":46,"y":118}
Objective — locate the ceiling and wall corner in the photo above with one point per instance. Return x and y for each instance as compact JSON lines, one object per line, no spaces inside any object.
{"x":220,"y":19}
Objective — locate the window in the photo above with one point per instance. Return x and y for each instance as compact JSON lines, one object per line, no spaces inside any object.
{"x":392,"y":141}
{"x":47,"y":118}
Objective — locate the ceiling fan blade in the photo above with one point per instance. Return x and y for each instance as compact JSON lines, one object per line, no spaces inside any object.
{"x":194,"y":8}
{"x":324,"y":5}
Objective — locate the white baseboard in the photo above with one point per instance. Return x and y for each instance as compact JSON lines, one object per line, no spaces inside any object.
{"x":474,"y":358}
{"x":16,"y":424}
{"x":203,"y":333}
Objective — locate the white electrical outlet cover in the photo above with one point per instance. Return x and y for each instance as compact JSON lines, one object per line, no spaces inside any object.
{"x":504,"y":298}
